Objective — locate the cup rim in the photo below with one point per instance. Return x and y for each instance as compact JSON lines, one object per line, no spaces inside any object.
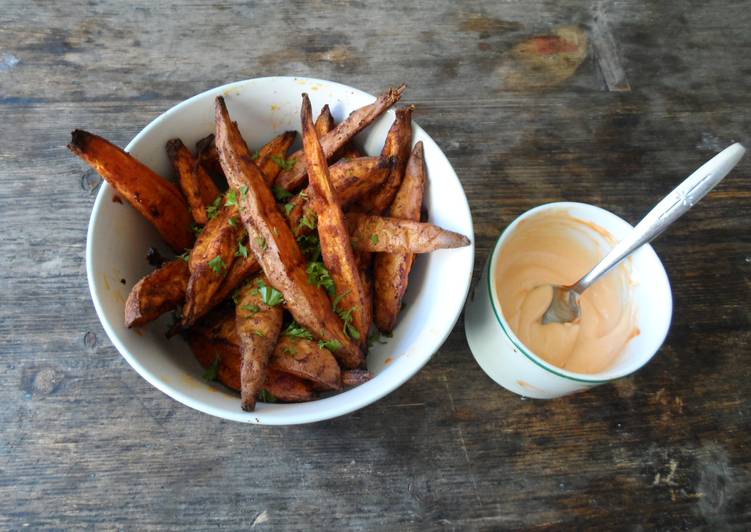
{"x":518,"y":344}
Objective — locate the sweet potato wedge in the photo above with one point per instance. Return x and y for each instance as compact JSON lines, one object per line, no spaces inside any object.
{"x":350,"y":179}
{"x":288,"y":388}
{"x":157,"y":199}
{"x":197,"y":186}
{"x":397,"y":146}
{"x":294,"y":178}
{"x":306,"y":359}
{"x":160,"y":291}
{"x":391,"y":270}
{"x":273,"y":153}
{"x":274,"y":245}
{"x":325,"y":121}
{"x":208,"y":158}
{"x":394,"y":235}
{"x":210,"y":260}
{"x":258,"y":326}
{"x":355,"y":377}
{"x":332,"y":232}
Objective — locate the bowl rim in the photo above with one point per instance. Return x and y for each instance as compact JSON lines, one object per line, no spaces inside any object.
{"x":335,"y":409}
{"x":594,"y":378}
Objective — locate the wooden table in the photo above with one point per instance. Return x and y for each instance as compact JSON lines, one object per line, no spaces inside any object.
{"x":611,"y":103}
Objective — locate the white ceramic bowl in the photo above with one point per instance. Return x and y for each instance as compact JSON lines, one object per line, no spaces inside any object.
{"x":118,"y":238}
{"x":511,"y":364}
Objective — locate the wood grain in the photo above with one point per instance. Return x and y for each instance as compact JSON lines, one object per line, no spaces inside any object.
{"x":86,"y":443}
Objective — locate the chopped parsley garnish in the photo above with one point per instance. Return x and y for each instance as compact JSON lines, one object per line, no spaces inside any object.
{"x":185,"y":256}
{"x":375,"y":337}
{"x":266,"y":396}
{"x":291,"y":351}
{"x":270,"y":295}
{"x":213,"y":209}
{"x":295,"y":330}
{"x":288,"y":208}
{"x":242,"y":251}
{"x":284,"y":164}
{"x":308,"y":219}
{"x":231,"y":198}
{"x":251,"y":308}
{"x":374,"y":238}
{"x":232,"y":221}
{"x":243,"y":191}
{"x":197,"y":229}
{"x":331,"y":345}
{"x":217,"y":264}
{"x":259,"y":332}
{"x":212,"y":371}
{"x":310,"y":246}
{"x":320,"y":277}
{"x":261,"y":242}
{"x":280,"y":193}
{"x":346,"y":317}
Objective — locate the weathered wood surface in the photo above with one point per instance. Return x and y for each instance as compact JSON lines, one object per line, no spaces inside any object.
{"x":642,"y":93}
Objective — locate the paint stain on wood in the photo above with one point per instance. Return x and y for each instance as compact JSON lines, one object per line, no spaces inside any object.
{"x":544,"y":61}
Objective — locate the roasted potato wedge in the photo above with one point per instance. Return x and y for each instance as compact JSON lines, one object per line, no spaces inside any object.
{"x":258,"y":326}
{"x":393,"y":235}
{"x":274,"y":245}
{"x":209,"y":263}
{"x":198,"y":187}
{"x":308,"y":360}
{"x":160,"y":291}
{"x":208,"y":158}
{"x":294,"y":178}
{"x":397,"y":147}
{"x":325,"y":121}
{"x":332,"y":232}
{"x":272,"y":156}
{"x":157,"y":199}
{"x":391,"y":270}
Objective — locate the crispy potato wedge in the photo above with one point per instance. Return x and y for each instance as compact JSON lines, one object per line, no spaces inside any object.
{"x":258,"y":326}
{"x":349,"y":152}
{"x":210,"y":260}
{"x":240,"y":271}
{"x":275,"y":246}
{"x":157,"y":199}
{"x":332,"y":232}
{"x":198,"y":187}
{"x":397,"y":146}
{"x":294,"y":178}
{"x":307,"y":360}
{"x":208,"y":158}
{"x":160,"y":291}
{"x":355,"y":377}
{"x":393,"y":235}
{"x":325,"y":121}
{"x":273,"y":153}
{"x":288,"y":388}
{"x":350,"y":179}
{"x":391,"y":270}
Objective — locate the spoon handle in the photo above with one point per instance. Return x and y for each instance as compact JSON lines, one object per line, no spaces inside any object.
{"x":672,"y":207}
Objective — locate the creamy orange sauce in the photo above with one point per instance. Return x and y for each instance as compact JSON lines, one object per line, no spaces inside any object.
{"x":554,"y":247}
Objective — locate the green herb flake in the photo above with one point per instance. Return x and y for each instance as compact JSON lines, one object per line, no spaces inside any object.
{"x":295,"y":330}
{"x":243,"y":191}
{"x":259,"y":332}
{"x":288,"y":208}
{"x":251,"y":308}
{"x":231,"y":198}
{"x":185,"y":256}
{"x":310,"y":247}
{"x":266,"y":397}
{"x":374,"y":239}
{"x":197,"y":229}
{"x":280,"y":193}
{"x":331,"y":345}
{"x":217,"y":264}
{"x":308,"y":220}
{"x":232,"y":221}
{"x":213,"y":209}
{"x":261,"y":242}
{"x":284,"y":164}
{"x":320,"y":277}
{"x":291,"y":351}
{"x":270,"y":295}
{"x":212,"y":371}
{"x":242,"y":251}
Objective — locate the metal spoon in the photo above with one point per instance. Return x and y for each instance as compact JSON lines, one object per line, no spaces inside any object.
{"x":565,"y":304}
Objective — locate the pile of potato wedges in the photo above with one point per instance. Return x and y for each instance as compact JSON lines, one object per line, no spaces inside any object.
{"x":286,"y":264}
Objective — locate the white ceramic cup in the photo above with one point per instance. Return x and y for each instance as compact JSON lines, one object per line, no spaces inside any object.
{"x":515,"y":367}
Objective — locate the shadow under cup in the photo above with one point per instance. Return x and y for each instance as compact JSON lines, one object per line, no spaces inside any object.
{"x":512,"y":365}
